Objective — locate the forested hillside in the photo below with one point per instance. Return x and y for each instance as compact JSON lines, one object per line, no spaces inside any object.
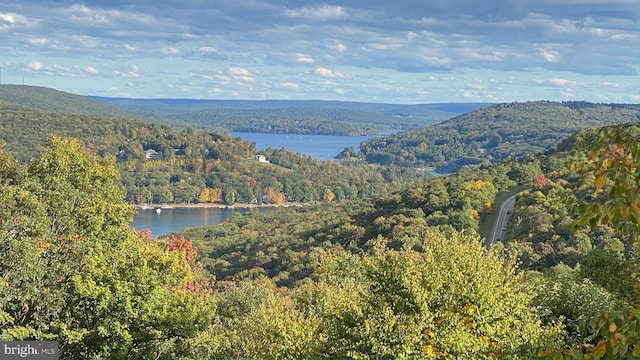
{"x":223,"y":116}
{"x":494,"y":133}
{"x":25,"y":131}
{"x":286,"y":120}
{"x":284,"y":244}
{"x":402,"y":275}
{"x":581,"y":258}
{"x":160,"y":165}
{"x":387,"y":263}
{"x":21,"y":97}
{"x":64,"y":225}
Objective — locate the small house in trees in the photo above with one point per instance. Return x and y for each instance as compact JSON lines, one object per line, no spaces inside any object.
{"x":261,"y":158}
{"x":150,"y":154}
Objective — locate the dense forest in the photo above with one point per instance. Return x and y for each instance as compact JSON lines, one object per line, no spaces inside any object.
{"x":403,"y":275}
{"x":494,"y":133}
{"x":385,"y":262}
{"x":581,"y":259}
{"x":160,"y":165}
{"x":540,"y":226}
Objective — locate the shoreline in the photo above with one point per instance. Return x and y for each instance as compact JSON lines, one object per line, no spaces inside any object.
{"x":214,"y":205}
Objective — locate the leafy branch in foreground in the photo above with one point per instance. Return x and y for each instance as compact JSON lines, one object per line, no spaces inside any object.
{"x":614,"y":159}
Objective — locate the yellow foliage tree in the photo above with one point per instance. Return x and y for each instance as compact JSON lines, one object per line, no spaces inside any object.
{"x":205,"y":195}
{"x":328,"y":195}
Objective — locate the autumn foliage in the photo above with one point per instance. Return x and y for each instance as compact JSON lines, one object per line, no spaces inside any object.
{"x":180,"y":244}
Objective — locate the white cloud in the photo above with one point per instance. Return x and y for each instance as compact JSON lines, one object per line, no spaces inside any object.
{"x":240,"y":75}
{"x":7,"y":18}
{"x":35,"y":65}
{"x":207,"y":49}
{"x":471,"y":96}
{"x":83,"y":14}
{"x":322,"y":13}
{"x":613,"y":85}
{"x":550,"y":56}
{"x":215,"y":91}
{"x":205,"y":52}
{"x":304,"y":59}
{"x":220,"y":77}
{"x":132,"y":72}
{"x":237,"y":71}
{"x":37,"y":41}
{"x":124,"y":74}
{"x":338,"y":47}
{"x":289,"y":85}
{"x":90,"y":70}
{"x":391,"y":45}
{"x":86,"y":41}
{"x":10,"y":20}
{"x":561,"y":82}
{"x":324,"y":72}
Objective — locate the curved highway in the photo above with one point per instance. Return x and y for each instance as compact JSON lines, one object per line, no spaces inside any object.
{"x":499,"y":229}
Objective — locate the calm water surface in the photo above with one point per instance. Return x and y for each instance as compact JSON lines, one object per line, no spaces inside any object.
{"x":175,"y":219}
{"x":321,"y":147}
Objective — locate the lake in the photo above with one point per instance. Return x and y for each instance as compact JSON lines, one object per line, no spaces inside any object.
{"x":322,"y":147}
{"x":171,"y":220}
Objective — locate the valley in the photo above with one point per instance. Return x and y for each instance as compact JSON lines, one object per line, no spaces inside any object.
{"x":381,"y":250}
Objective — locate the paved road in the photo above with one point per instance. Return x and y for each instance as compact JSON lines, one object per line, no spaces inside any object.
{"x":498,"y":233}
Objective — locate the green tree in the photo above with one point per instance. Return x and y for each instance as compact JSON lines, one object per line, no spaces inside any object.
{"x":573,"y":301}
{"x":453,"y":300}
{"x":229,"y":196}
{"x":8,"y":166}
{"x":255,"y":320}
{"x":73,"y":271}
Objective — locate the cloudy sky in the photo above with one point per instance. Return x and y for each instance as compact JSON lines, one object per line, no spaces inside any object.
{"x":394,"y":51}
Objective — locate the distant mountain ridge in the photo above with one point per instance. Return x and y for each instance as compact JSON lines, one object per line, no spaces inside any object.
{"x":381,"y":108}
{"x":293,"y":116}
{"x":269,"y":116}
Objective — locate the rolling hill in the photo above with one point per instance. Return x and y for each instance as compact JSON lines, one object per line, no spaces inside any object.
{"x":494,"y":133}
{"x":21,"y":97}
{"x":267,"y":116}
{"x":292,"y":116}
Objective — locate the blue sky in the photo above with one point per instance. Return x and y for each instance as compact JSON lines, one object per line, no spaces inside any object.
{"x":402,"y":51}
